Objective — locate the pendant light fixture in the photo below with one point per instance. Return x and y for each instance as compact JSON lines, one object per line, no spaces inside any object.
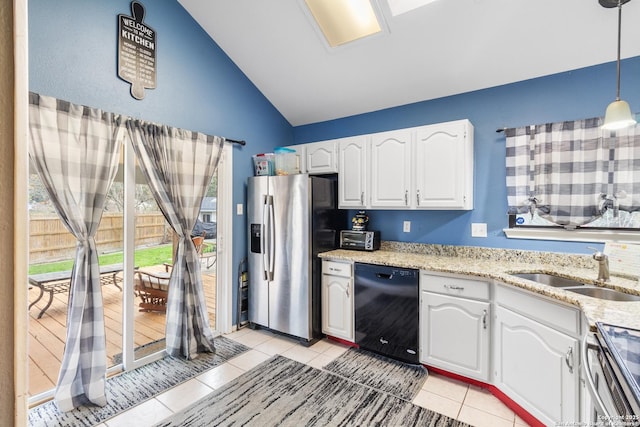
{"x":618,"y":114}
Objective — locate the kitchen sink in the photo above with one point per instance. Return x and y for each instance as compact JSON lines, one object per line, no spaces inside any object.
{"x":577,"y":287}
{"x":549,"y":279}
{"x":603,"y":293}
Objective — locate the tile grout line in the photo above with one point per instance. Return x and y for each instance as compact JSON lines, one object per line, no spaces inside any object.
{"x":462,"y":403}
{"x":513,"y":421}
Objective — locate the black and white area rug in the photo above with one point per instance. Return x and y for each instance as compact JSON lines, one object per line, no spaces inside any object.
{"x":134,"y":387}
{"x":283,"y":392}
{"x":381,"y":373}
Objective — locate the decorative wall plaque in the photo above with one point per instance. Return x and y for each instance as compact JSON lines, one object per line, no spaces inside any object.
{"x":136,"y":51}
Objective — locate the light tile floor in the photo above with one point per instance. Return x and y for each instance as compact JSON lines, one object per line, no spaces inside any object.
{"x":455,"y":399}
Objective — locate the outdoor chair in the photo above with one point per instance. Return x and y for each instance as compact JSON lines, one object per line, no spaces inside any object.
{"x":153,"y":290}
{"x":198,"y":241}
{"x":205,"y":251}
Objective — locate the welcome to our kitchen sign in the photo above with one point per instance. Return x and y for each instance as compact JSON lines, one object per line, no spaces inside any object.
{"x":136,"y":51}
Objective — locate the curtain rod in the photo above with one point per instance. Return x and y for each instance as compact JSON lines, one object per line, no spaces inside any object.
{"x":236,"y":141}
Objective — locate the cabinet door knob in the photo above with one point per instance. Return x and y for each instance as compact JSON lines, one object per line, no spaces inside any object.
{"x":362,"y":198}
{"x":418,"y":198}
{"x":406,"y":197}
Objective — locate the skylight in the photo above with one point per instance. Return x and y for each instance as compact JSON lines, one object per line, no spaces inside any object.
{"x":399,"y":7}
{"x":344,"y":21}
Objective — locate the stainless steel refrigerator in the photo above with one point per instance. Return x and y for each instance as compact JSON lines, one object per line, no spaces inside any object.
{"x":291,"y":219}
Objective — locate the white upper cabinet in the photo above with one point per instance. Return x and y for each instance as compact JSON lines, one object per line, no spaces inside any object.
{"x":321,"y":157}
{"x":444,"y":166}
{"x":316,"y":158}
{"x":390,"y":169}
{"x":426,"y":167}
{"x":353,"y":172}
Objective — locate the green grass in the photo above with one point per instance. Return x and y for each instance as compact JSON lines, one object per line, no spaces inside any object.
{"x":143,"y":258}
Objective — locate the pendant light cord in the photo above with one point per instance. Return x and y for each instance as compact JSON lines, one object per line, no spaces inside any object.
{"x":619,"y":42}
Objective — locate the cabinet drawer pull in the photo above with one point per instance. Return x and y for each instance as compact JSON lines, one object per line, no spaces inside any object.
{"x":454,"y":287}
{"x":568,"y":358}
{"x":484,"y":319}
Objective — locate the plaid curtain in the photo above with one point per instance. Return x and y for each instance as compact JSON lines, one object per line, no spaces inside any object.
{"x":572,"y":172}
{"x":75,"y":151}
{"x":179,"y":165}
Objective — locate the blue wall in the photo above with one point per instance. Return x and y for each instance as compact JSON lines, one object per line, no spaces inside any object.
{"x":73,"y":56}
{"x":572,"y":95}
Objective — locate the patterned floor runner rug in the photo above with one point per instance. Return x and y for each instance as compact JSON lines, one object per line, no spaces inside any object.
{"x":282,"y":392}
{"x":134,"y":387}
{"x":400,"y":379}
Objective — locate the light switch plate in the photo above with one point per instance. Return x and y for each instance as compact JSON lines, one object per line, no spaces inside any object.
{"x":478,"y":229}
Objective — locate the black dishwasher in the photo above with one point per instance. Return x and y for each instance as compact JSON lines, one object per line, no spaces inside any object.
{"x":386,"y":310}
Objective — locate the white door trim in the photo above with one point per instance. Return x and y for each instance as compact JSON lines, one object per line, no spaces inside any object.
{"x":224,"y":280}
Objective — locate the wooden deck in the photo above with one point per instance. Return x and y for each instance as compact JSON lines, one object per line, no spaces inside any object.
{"x":47,"y":335}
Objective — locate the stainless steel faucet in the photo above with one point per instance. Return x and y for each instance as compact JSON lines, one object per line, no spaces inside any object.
{"x":603,"y":264}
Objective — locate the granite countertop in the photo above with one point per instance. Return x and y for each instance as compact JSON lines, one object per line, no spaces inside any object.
{"x":499,"y":263}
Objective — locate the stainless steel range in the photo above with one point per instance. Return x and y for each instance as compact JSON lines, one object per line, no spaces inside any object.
{"x":613,"y":374}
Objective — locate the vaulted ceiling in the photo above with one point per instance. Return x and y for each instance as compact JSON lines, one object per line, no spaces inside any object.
{"x":442,"y":48}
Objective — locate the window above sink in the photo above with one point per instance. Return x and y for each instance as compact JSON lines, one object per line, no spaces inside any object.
{"x":573,"y":181}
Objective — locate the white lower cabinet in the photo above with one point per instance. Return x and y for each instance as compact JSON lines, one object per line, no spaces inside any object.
{"x":455,"y":335}
{"x":536,"y":364}
{"x":455,"y":325}
{"x":337,"y":300}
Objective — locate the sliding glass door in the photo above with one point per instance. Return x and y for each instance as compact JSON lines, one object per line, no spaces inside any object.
{"x":133,"y":238}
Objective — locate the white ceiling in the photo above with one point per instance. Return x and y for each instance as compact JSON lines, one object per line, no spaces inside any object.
{"x":444,"y":48}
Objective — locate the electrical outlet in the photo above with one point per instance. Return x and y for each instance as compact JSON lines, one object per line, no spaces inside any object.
{"x":239,"y":209}
{"x":478,"y":229}
{"x":406,"y":226}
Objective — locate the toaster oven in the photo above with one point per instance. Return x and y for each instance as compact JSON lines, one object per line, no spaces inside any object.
{"x":360,"y":240}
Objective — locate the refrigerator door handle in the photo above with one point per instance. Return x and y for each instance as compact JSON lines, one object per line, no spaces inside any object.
{"x":272,"y":239}
{"x":263,"y":238}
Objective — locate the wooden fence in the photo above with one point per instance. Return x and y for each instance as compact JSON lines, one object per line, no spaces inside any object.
{"x":49,"y":240}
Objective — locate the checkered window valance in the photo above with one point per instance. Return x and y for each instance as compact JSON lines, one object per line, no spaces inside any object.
{"x":570,"y":173}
